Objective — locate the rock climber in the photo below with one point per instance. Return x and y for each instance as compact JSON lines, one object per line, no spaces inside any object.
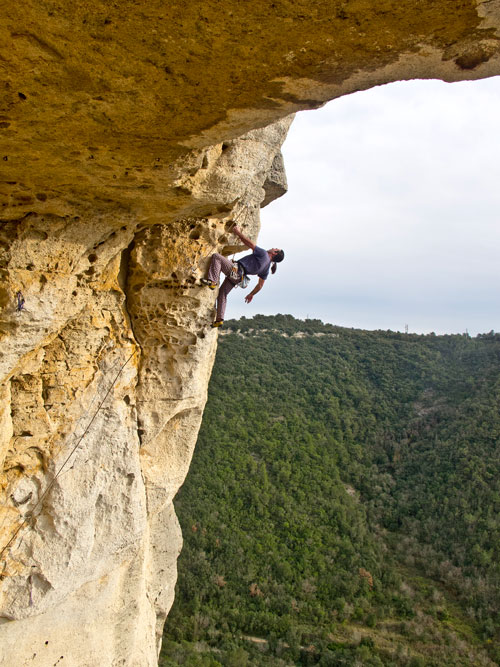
{"x":256,"y":264}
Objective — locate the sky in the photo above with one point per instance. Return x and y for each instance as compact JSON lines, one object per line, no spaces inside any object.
{"x":392,"y":213}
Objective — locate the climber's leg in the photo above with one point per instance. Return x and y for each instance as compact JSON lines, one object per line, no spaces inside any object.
{"x":224,"y":290}
{"x":218,"y":263}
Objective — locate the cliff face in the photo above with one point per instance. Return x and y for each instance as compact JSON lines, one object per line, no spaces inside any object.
{"x":91,"y":573}
{"x":130,"y":139}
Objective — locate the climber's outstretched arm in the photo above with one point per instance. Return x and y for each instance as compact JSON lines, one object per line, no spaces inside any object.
{"x":246,"y":241}
{"x":256,"y":289}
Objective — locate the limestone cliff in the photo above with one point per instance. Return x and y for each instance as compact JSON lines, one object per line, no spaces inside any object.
{"x":90,"y":575}
{"x":132,"y":134}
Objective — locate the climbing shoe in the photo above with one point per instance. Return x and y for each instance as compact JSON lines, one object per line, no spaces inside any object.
{"x":217,"y":323}
{"x":209,"y":283}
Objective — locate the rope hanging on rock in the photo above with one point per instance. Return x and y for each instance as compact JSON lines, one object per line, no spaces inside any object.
{"x":52,"y":482}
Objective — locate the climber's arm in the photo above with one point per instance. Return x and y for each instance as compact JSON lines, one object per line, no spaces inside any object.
{"x":246,"y":241}
{"x":256,"y":289}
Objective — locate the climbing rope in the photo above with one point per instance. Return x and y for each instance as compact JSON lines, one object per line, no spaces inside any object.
{"x":61,"y":468}
{"x":190,"y":283}
{"x":243,"y":213}
{"x":245,"y":210}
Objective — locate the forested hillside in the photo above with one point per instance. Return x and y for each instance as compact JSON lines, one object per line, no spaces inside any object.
{"x":343,"y":503}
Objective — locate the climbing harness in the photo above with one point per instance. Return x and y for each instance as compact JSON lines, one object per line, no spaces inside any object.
{"x":30,"y":514}
{"x":244,"y":282}
{"x":238,"y":275}
{"x":235,"y":273}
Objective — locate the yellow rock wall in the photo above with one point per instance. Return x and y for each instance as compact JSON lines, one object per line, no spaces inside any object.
{"x":130,"y":135}
{"x":105,"y":371}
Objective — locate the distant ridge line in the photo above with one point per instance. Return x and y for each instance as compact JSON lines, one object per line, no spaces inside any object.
{"x":257,"y":332}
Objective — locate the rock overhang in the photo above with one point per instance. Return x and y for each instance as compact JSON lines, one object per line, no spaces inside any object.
{"x":131,"y":134}
{"x":102,"y":102}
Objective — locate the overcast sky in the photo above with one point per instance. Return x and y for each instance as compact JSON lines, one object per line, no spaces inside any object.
{"x":392,"y":213}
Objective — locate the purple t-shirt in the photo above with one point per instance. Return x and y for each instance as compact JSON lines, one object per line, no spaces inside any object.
{"x":256,"y":264}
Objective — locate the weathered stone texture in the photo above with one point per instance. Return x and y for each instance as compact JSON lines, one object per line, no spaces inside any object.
{"x":92,"y":491}
{"x":100,"y":100}
{"x":276,"y":184}
{"x":131,"y":134}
